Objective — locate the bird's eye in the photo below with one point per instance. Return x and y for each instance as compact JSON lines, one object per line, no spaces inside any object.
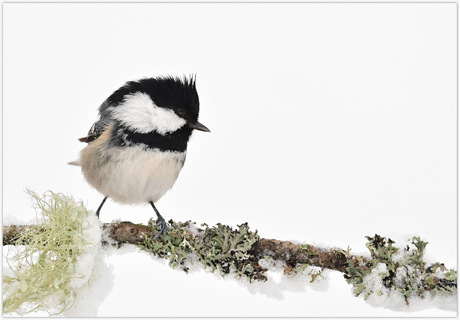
{"x":180,"y":112}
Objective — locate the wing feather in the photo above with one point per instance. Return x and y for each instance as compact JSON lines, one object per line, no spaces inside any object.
{"x":100,"y":125}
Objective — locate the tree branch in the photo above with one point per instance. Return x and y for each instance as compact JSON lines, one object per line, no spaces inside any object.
{"x":241,"y":251}
{"x":292,"y":254}
{"x":45,"y":264}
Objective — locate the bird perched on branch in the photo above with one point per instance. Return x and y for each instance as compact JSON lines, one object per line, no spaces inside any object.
{"x":137,"y":147}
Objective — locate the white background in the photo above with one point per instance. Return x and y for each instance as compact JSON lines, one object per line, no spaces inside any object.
{"x":329,"y":122}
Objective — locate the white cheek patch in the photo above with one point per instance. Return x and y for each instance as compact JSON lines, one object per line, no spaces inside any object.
{"x":140,"y":114}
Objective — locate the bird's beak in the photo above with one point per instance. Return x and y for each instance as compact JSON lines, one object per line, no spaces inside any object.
{"x":198,"y":126}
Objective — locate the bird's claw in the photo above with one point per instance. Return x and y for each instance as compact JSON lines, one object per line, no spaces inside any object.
{"x":163,"y":228}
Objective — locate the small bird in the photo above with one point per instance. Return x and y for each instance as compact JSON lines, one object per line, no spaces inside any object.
{"x":137,"y":147}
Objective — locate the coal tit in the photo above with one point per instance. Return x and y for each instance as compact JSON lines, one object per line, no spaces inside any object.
{"x":137,"y":147}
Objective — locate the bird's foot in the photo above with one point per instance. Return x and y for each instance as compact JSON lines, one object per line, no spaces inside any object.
{"x":163,"y":228}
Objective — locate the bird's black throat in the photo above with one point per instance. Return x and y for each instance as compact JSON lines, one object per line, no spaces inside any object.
{"x":173,"y":141}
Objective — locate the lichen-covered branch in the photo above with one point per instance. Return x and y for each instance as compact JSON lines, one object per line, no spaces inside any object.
{"x":52,"y":260}
{"x":122,"y":232}
{"x":241,"y":251}
{"x":12,"y":233}
{"x":127,"y":232}
{"x":292,"y":254}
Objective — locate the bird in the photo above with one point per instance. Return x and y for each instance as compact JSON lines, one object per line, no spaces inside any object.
{"x":137,"y":147}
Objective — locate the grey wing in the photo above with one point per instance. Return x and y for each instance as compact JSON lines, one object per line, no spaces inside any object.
{"x":99,"y":126}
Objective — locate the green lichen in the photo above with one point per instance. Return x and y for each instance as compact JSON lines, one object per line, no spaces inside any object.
{"x":451,"y":275}
{"x":175,"y":246}
{"x":315,"y":275}
{"x":43,"y":260}
{"x":309,"y":249}
{"x":346,"y":253}
{"x":406,"y":271}
{"x":355,"y":272}
{"x":218,"y":247}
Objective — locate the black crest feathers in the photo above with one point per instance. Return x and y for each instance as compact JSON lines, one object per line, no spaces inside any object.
{"x":166,"y":92}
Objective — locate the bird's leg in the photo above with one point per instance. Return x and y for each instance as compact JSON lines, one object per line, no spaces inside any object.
{"x":160,"y":222}
{"x":100,"y":207}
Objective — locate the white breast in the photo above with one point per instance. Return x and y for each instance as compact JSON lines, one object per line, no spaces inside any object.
{"x":132,"y":174}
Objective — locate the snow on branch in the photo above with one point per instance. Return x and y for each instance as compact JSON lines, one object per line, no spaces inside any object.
{"x":390,"y":270}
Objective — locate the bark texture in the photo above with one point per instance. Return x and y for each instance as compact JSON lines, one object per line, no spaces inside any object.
{"x":293,"y":254}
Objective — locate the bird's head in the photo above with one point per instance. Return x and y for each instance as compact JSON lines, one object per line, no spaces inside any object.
{"x":162,"y":105}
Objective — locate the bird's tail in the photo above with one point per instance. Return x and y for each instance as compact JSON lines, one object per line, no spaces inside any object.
{"x":75,"y":163}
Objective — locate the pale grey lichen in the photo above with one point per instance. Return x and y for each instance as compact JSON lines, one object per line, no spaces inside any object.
{"x":218,"y":247}
{"x":402,"y":270}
